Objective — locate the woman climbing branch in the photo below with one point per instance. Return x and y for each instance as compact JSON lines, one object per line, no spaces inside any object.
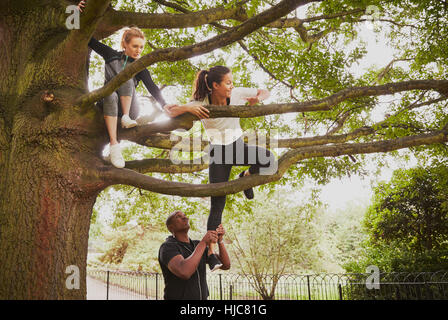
{"x":227,"y":148}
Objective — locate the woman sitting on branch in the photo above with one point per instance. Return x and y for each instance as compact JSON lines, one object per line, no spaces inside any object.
{"x":124,"y":102}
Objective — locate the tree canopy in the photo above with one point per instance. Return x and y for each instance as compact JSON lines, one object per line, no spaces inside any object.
{"x":313,"y":59}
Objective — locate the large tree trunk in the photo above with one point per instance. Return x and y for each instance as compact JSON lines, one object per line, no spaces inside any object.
{"x":44,"y":229}
{"x":48,"y":157}
{"x":47,"y":192}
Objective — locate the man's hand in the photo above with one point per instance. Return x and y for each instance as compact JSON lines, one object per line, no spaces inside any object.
{"x":210,"y":237}
{"x":221,"y":232}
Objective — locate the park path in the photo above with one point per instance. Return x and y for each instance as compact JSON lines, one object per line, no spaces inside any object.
{"x":97,"y":290}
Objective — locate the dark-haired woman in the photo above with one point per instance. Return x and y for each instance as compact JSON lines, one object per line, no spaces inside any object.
{"x":227,"y":148}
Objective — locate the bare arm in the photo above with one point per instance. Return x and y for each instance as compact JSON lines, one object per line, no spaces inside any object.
{"x":262,"y":94}
{"x":198,"y":110}
{"x":223,"y":256}
{"x":185,"y":267}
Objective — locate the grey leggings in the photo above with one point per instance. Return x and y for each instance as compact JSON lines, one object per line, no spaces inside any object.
{"x":112,"y":104}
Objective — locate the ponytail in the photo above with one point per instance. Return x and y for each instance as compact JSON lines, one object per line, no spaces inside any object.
{"x":203,"y":84}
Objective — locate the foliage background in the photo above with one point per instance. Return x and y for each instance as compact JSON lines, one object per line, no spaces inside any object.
{"x":325,"y":239}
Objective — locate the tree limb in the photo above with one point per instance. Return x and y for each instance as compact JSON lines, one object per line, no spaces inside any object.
{"x":187,"y":145}
{"x":165,"y":166}
{"x":91,"y":16}
{"x":185,"y":121}
{"x":115,"y":20}
{"x":175,"y":54}
{"x":113,"y":175}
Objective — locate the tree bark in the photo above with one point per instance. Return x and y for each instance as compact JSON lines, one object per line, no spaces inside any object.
{"x":47,"y":190}
{"x":49,"y":160}
{"x":48,"y":186}
{"x":42,"y":232}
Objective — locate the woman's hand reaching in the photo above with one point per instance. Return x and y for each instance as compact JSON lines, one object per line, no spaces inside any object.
{"x":252,"y":100}
{"x":81,"y":5}
{"x":173,"y":110}
{"x":199,"y":111}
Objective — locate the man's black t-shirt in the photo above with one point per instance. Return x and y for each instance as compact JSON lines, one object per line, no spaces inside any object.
{"x":176,"y":288}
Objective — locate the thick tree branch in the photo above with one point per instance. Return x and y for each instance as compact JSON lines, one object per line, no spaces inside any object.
{"x":175,"y":54}
{"x":293,"y":156}
{"x":115,"y":20}
{"x":166,"y":166}
{"x":113,"y":175}
{"x":188,"y":145}
{"x":185,"y":121}
{"x":327,"y":103}
{"x":94,"y":10}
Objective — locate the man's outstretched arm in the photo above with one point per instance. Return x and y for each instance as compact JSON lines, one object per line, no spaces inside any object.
{"x":185,"y":267}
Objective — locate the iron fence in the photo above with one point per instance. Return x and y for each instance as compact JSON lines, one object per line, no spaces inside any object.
{"x":227,"y":286}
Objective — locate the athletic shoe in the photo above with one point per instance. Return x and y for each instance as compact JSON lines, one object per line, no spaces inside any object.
{"x":127,"y":122}
{"x":143,"y":120}
{"x":116,"y":157}
{"x":249,"y":193}
{"x":214,"y":262}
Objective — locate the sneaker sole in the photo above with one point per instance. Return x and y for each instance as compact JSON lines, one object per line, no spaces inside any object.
{"x":218,"y":266}
{"x":129,"y":126}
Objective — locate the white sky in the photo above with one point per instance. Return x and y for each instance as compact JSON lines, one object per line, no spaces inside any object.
{"x":340,"y":192}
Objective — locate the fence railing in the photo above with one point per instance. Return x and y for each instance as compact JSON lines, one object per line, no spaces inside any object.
{"x":227,"y":286}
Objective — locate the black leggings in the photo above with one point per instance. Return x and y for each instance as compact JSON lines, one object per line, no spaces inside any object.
{"x":222,"y":159}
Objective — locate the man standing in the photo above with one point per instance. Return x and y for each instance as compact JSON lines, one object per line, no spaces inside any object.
{"x":183,"y":261}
